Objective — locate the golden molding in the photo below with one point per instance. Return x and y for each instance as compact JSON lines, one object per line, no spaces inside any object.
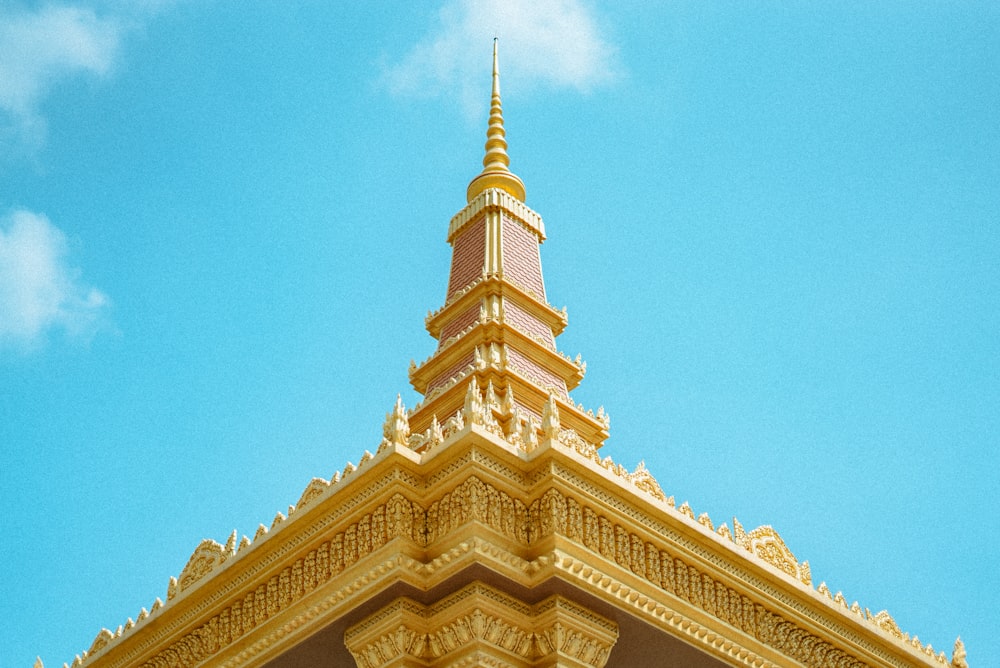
{"x":475,"y":500}
{"x":481,"y":620}
{"x":497,"y":199}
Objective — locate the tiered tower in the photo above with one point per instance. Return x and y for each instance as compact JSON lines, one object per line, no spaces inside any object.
{"x":496,"y":331}
{"x":486,"y":530}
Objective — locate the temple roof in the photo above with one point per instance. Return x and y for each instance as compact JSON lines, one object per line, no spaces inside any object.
{"x":496,"y":329}
{"x":496,"y":476}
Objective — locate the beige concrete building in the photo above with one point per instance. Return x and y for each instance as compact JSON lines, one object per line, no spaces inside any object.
{"x":487,"y":530}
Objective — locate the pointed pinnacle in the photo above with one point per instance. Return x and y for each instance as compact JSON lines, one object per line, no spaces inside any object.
{"x":496,"y":171}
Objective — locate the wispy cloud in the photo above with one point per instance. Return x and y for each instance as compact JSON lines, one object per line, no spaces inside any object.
{"x":39,"y":289}
{"x":555,"y":43}
{"x":38,"y":49}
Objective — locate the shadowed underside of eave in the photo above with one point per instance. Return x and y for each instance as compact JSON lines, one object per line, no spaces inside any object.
{"x":639,"y":644}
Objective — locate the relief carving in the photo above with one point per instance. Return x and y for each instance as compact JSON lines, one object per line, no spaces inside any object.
{"x":203,"y":561}
{"x":551,"y":513}
{"x":487,"y":622}
{"x":315,"y":489}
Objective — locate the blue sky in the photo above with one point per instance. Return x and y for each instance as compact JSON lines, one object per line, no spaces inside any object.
{"x":776,"y":228}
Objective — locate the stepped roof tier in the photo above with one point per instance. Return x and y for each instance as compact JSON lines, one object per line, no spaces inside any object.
{"x":486,"y":530}
{"x":496,"y":328}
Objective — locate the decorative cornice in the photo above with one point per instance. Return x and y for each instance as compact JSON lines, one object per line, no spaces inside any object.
{"x":486,"y":335}
{"x":496,"y":284}
{"x":678,"y":555}
{"x":443,"y":399}
{"x":497,"y":199}
{"x":482,"y":620}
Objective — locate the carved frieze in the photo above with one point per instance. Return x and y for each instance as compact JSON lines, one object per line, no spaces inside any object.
{"x":421,"y":522}
{"x":482,"y":621}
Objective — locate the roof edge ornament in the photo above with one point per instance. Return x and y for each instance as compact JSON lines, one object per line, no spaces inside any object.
{"x":496,"y":163}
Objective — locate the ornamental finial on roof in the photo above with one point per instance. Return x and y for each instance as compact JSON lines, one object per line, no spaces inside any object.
{"x":958,"y":655}
{"x":496,"y":163}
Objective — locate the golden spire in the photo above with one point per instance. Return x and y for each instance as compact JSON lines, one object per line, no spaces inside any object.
{"x":496,"y":171}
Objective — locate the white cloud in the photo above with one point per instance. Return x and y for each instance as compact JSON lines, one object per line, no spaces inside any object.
{"x":542,"y":42}
{"x":38,"y":49}
{"x":39,"y":290}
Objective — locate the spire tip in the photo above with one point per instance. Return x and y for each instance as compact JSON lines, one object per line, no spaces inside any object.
{"x":496,"y":171}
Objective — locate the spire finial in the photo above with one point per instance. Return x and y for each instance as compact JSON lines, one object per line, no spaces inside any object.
{"x":496,"y":69}
{"x":496,"y":163}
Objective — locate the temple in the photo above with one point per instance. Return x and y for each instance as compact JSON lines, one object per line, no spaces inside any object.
{"x":487,"y":530}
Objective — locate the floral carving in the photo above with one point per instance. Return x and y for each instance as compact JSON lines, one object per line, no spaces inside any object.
{"x":396,"y":429}
{"x":645,"y":481}
{"x":958,"y":655}
{"x":313,"y":490}
{"x":205,"y":558}
{"x":480,"y":617}
{"x":765,"y":542}
{"x":884,"y":621}
{"x":551,"y":513}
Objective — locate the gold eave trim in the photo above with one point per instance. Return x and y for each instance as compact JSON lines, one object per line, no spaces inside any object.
{"x":496,"y":199}
{"x":496,"y":285}
{"x":570,"y":415}
{"x":550,"y":471}
{"x":529,"y":393}
{"x":499,"y":333}
{"x":547,"y":358}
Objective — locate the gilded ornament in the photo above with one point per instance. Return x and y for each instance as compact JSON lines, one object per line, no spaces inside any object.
{"x":958,"y":655}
